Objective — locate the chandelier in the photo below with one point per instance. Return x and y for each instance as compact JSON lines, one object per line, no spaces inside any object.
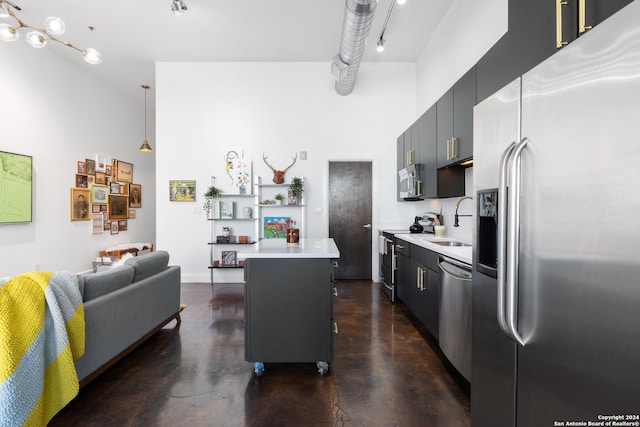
{"x":38,"y":37}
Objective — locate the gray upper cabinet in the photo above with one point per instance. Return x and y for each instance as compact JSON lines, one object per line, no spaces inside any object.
{"x":455,"y":121}
{"x":536,"y":31}
{"x":426,"y":125}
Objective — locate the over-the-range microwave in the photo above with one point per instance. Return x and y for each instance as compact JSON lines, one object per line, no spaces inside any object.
{"x":410,"y":182}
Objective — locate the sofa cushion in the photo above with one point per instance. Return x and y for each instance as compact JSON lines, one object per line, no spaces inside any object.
{"x":97,"y":284}
{"x":149,"y":264}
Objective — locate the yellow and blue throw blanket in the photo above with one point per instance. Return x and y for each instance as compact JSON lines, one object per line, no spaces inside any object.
{"x":41,"y":334}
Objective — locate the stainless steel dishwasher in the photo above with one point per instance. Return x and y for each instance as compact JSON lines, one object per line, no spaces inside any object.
{"x":455,"y":314}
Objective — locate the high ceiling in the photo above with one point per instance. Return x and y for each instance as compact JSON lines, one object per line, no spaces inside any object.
{"x":132,"y":35}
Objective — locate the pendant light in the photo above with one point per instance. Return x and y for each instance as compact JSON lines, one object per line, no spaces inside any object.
{"x":145,"y":147}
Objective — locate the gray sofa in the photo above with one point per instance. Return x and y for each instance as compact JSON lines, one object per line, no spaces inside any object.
{"x":123,"y":307}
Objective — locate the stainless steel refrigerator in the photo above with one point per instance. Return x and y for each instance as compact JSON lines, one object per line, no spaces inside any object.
{"x":556,"y":281}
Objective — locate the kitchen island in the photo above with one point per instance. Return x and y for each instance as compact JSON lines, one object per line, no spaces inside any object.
{"x":288,"y":302}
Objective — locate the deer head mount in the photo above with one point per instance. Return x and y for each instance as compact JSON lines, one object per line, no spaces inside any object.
{"x":278,"y":175}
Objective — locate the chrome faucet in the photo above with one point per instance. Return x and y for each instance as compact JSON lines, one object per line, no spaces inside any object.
{"x":455,"y":223}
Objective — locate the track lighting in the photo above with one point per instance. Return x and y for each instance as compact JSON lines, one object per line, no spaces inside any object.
{"x":39,"y":37}
{"x":380,"y":47}
{"x":381,"y":39}
{"x":178,"y":7}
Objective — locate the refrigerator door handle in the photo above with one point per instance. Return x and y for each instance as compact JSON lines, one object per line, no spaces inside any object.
{"x":513,"y":239}
{"x":502,"y":239}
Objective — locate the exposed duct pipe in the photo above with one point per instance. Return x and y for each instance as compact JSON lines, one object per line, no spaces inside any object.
{"x":358,"y":16}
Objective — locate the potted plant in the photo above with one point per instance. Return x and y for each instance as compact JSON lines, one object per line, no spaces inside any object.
{"x":212,"y":193}
{"x":278,"y":198}
{"x":296,"y":189}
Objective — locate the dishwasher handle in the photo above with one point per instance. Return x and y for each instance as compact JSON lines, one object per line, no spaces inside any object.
{"x":455,"y":268}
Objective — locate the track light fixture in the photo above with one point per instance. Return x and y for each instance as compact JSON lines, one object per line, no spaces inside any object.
{"x":178,"y":7}
{"x":381,"y":39}
{"x":38,"y":37}
{"x":145,"y":147}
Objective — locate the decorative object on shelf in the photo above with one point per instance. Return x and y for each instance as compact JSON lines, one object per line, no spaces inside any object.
{"x":211,"y":193}
{"x":276,"y":227}
{"x":247,"y":212}
{"x":279,"y":197}
{"x":182,"y":190}
{"x":228,"y":258}
{"x":243,"y":239}
{"x":296,"y":190}
{"x":38,"y":37}
{"x":238,"y":170}
{"x":80,"y":204}
{"x":293,"y":236}
{"x":226,"y":210}
{"x":226,"y":231}
{"x":278,"y":175}
{"x":145,"y":147}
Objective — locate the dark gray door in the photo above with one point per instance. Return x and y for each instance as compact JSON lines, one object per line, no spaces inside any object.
{"x":350,"y":217}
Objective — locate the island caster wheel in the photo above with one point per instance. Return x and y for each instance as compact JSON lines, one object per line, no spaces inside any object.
{"x":258,"y":368}
{"x":323,"y":368}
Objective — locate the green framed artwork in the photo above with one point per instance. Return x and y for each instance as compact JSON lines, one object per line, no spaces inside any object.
{"x":99,"y":194}
{"x":182,"y":190}
{"x":15,"y":187}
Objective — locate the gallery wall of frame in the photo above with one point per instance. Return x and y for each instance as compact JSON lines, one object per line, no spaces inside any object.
{"x":105,"y":195}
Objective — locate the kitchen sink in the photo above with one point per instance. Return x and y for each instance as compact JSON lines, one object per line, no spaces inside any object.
{"x":450,"y":243}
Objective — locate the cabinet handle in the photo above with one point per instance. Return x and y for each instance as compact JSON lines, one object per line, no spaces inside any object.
{"x":399,"y":246}
{"x":422,"y":271}
{"x":448,"y":149}
{"x":335,"y":291}
{"x":394,"y":262}
{"x":335,"y":327}
{"x":582,"y":27}
{"x":559,"y":41}
{"x":419,"y":192}
{"x":335,"y":264}
{"x":453,"y":147}
{"x":409,"y":157}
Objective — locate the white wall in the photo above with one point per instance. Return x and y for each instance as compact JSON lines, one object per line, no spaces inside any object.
{"x":466,"y":33}
{"x":205,"y":109}
{"x":57,"y":112}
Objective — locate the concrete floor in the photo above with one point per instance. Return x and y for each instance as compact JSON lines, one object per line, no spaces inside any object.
{"x":387,"y":371}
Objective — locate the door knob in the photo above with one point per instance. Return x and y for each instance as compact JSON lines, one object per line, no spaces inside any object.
{"x":367,"y":226}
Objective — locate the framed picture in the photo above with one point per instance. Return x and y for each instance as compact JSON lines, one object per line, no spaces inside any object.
{"x":118,"y":207}
{"x":82,"y":167}
{"x":91,"y":166}
{"x":104,"y":208}
{"x":132,"y":213}
{"x":124,"y":189}
{"x":226,"y":210}
{"x":106,"y":225}
{"x":80,"y":204}
{"x":122,"y":225}
{"x":228,"y":258}
{"x":114,"y":168}
{"x":95,"y":209}
{"x":99,"y":195}
{"x":15,"y":187}
{"x":114,"y":187}
{"x":114,"y":227}
{"x":101,"y":178}
{"x":107,"y":170}
{"x":135,"y":195}
{"x":97,"y":223}
{"x":182,"y":191}
{"x":276,"y":227}
{"x":101,"y":164}
{"x":82,"y":181}
{"x":124,"y":171}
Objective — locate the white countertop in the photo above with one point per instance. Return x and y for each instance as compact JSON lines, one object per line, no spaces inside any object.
{"x":277,"y":248}
{"x":461,"y":253}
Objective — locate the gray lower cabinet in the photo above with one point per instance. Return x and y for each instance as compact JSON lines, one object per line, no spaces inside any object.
{"x":418,"y":284}
{"x":288,"y":310}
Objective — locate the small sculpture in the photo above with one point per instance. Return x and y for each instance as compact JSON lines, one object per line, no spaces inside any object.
{"x":278,"y":175}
